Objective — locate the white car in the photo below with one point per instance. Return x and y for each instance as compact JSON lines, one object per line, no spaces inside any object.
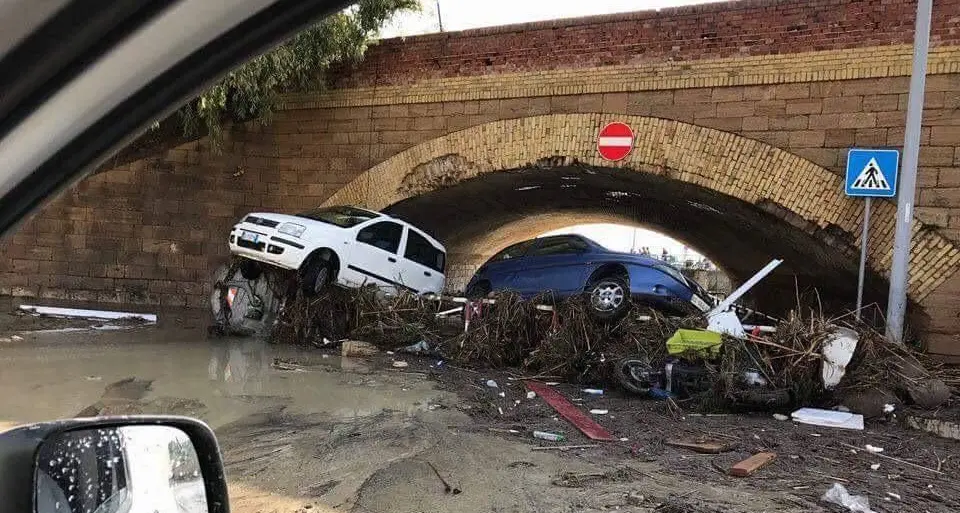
{"x":345,"y":245}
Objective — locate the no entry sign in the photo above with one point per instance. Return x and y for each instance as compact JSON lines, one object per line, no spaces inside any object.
{"x":615,"y":141}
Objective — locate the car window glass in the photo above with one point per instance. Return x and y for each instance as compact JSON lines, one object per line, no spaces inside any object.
{"x":384,"y":235}
{"x":559,"y":246}
{"x":514,"y":251}
{"x":421,"y":251}
{"x":344,"y":217}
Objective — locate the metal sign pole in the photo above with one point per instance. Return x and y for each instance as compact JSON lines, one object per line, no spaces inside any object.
{"x":863,"y":255}
{"x":897,"y":301}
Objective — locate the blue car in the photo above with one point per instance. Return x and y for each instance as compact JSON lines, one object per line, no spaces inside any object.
{"x":566,"y":265}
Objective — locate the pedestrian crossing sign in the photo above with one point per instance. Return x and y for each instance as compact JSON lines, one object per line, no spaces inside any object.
{"x":872,"y":173}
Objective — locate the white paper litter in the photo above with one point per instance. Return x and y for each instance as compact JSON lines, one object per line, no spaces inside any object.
{"x":828,"y":418}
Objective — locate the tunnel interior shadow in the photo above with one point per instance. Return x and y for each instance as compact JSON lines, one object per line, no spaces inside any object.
{"x":739,"y":237}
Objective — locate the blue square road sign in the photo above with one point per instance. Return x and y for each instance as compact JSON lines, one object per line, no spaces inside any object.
{"x":872,"y":173}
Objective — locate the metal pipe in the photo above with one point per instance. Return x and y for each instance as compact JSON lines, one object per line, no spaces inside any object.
{"x":899,"y":269}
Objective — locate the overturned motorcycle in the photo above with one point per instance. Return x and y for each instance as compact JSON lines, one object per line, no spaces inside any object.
{"x":695,"y":366}
{"x":687,"y":373}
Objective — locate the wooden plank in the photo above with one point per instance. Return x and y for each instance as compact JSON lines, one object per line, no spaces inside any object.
{"x":704,"y":447}
{"x":570,"y":412}
{"x":752,"y":464}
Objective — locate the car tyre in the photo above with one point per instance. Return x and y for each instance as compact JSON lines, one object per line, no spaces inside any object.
{"x":250,"y":270}
{"x":609,"y":297}
{"x":478,"y":290}
{"x":316,"y":277}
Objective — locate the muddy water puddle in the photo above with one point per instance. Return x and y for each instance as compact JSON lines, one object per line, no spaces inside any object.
{"x":305,"y":433}
{"x":57,"y":375}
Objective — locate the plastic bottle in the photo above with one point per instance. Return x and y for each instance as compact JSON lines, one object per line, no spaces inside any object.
{"x":553,"y":437}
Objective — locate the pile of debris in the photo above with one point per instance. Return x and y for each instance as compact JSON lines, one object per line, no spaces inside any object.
{"x":801,"y":360}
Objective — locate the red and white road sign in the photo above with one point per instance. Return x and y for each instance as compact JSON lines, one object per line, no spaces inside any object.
{"x":615,"y":141}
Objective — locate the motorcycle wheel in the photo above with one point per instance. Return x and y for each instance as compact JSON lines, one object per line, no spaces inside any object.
{"x":634,"y":375}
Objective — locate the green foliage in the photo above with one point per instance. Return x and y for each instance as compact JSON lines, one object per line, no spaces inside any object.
{"x":252,"y":90}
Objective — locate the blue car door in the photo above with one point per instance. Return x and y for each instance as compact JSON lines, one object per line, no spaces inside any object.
{"x":557,"y":264}
{"x":502,"y":268}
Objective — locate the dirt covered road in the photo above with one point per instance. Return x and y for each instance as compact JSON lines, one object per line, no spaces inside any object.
{"x":301,"y":432}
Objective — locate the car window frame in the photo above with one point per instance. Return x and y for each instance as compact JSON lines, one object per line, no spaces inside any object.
{"x":406,"y":244}
{"x":531,"y":243}
{"x":374,"y":222}
{"x":532,"y":252}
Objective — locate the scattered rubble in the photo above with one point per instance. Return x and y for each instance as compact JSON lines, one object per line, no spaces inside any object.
{"x":806,"y":359}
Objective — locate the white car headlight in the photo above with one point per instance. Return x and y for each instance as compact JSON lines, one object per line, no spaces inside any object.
{"x":293,"y":229}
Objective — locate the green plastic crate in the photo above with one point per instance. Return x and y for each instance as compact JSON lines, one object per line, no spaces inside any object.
{"x":698,"y":341}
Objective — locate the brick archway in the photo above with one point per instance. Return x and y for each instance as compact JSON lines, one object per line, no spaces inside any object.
{"x":742,"y":168}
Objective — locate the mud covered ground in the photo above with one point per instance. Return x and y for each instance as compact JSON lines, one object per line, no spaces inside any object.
{"x":809,"y":458}
{"x":304,"y":430}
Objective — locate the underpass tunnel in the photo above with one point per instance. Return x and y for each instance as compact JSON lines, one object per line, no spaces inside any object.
{"x":477,"y":217}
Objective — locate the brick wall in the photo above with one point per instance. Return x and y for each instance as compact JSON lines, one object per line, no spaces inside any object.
{"x":719,"y":30}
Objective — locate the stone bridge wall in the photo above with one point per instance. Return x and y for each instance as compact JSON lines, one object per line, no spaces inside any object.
{"x":810,"y":77}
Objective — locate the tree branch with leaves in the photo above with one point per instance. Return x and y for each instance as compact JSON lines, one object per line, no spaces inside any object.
{"x":253,"y":90}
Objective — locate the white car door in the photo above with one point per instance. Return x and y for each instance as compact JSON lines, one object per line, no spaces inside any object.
{"x":374,"y":256}
{"x":422,"y":265}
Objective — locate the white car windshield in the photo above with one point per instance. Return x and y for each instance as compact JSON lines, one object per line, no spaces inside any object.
{"x":344,"y":217}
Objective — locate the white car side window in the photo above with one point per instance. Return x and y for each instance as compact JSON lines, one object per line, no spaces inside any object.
{"x":384,"y":235}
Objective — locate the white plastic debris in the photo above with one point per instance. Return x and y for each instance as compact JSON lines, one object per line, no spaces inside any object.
{"x":531,"y":394}
{"x":895,"y":495}
{"x":492,"y":384}
{"x":753,"y":378}
{"x":599,"y":412}
{"x":875,"y":466}
{"x":593,"y":391}
{"x":421,"y":347}
{"x":874,"y":449}
{"x":86,"y":314}
{"x":502,"y":394}
{"x":516,"y":402}
{"x":828,"y":418}
{"x":838,"y":495}
{"x":400,"y":364}
{"x":837,"y":352}
{"x":888,"y":408}
{"x":780,"y":416}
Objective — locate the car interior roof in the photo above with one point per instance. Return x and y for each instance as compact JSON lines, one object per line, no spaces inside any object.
{"x":137,"y":62}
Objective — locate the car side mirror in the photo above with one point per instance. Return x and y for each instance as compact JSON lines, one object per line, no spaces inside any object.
{"x":112,"y":465}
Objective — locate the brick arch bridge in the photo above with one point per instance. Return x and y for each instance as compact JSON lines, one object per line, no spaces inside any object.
{"x":718,"y":175}
{"x":745,"y":108}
